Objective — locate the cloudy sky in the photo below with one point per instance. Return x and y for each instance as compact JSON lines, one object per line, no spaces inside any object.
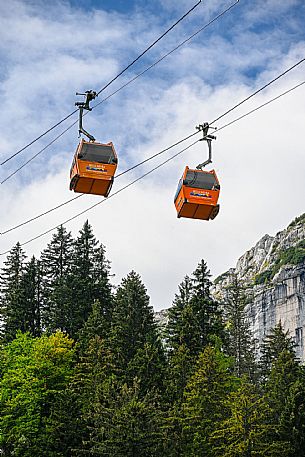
{"x":50,"y":50}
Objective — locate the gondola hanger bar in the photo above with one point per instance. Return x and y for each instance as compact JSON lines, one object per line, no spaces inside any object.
{"x":90,"y":95}
{"x":204,"y":128}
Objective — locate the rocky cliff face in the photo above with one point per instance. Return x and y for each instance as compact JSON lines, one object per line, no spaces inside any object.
{"x":273,"y":272}
{"x":161,"y":319}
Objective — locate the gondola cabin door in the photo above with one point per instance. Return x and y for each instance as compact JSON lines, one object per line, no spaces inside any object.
{"x":93,"y":168}
{"x":197,"y":194}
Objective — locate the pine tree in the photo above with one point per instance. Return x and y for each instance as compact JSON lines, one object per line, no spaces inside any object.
{"x":292,"y":423}
{"x":249,"y":430}
{"x":240,"y":342}
{"x":194,"y":321}
{"x":114,"y":419}
{"x":12,"y":303}
{"x":90,"y":278}
{"x":207,"y":317}
{"x":205,"y":400}
{"x":177,"y":331}
{"x":280,"y":392}
{"x":31,"y":297}
{"x":273,"y":345}
{"x":94,"y":384}
{"x":129,"y":426}
{"x":56,"y":263}
{"x":284,"y":373}
{"x":134,"y":337}
{"x":180,"y":367}
{"x":95,"y":325}
{"x":195,"y":317}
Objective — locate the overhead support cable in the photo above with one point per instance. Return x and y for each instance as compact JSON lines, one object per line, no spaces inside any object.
{"x":259,"y":90}
{"x":107,"y":85}
{"x":121,"y":88}
{"x":117,"y":176}
{"x":211,"y":123}
{"x":149,"y":47}
{"x":38,"y":153}
{"x":168,"y":53}
{"x":157,"y":154}
{"x":39,"y":137}
{"x":105,"y":199}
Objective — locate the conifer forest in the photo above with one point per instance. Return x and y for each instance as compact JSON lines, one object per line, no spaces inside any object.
{"x":86,"y":371}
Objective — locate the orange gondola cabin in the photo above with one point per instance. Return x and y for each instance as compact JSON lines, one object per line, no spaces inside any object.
{"x":93,"y":168}
{"x":197,"y":194}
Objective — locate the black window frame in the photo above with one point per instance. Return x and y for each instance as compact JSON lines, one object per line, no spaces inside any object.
{"x":84,"y":152}
{"x":195,"y":183}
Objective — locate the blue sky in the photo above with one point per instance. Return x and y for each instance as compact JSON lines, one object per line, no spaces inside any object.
{"x":122,"y":6}
{"x":50,"y":51}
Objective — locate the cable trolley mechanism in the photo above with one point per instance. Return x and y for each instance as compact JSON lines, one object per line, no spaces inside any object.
{"x":94,"y":164}
{"x":198,"y":190}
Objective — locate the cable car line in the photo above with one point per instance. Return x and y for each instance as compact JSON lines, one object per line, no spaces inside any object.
{"x":119,"y":89}
{"x":167,"y":54}
{"x":105,"y":199}
{"x":215,"y":120}
{"x":110,"y":95}
{"x":259,"y":90}
{"x":38,"y":153}
{"x":39,"y":137}
{"x":158,"y":153}
{"x":148,"y":48}
{"x":107,"y":85}
{"x":147,"y":173}
{"x":117,"y":176}
{"x":261,"y":106}
{"x":41,"y":214}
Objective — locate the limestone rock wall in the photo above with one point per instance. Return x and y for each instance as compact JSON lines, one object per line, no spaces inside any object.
{"x":280,"y":297}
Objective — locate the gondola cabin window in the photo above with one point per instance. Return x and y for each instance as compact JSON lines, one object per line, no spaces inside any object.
{"x":92,"y":152}
{"x":201,"y":180}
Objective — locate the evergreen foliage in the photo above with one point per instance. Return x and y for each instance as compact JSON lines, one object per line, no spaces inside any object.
{"x":129,"y":426}
{"x":177,"y":330}
{"x":293,"y":416}
{"x":280,"y":389}
{"x":240,"y":343}
{"x":134,"y":336}
{"x":95,"y":325}
{"x":90,"y":278}
{"x":56,"y":263}
{"x":206,"y":313}
{"x":249,"y":430}
{"x":117,"y":389}
{"x":205,"y":401}
{"x":13,"y":310}
{"x":31,"y":297}
{"x":195,"y":320}
{"x":273,"y":345}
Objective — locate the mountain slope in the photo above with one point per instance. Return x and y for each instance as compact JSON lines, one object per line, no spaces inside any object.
{"x":273,"y":272}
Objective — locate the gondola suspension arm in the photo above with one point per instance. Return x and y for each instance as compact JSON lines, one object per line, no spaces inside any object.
{"x":208,"y":138}
{"x":90,"y":95}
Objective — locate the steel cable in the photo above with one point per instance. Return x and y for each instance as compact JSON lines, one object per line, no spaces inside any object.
{"x":120,"y":88}
{"x":159,"y":153}
{"x":107,"y":85}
